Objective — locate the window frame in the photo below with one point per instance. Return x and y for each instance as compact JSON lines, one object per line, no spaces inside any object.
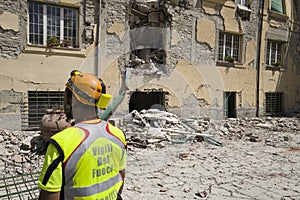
{"x":36,"y":104}
{"x":232,"y":55}
{"x":274,"y":103}
{"x":44,"y":20}
{"x":246,"y":2}
{"x":276,"y":12}
{"x":269,"y":52}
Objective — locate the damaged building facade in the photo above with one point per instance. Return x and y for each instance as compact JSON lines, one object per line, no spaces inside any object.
{"x":218,"y":58}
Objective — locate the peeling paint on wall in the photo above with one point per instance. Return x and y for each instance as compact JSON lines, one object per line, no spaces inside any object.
{"x":9,"y":21}
{"x":182,"y":58}
{"x":206,"y":32}
{"x":209,"y":8}
{"x":175,"y":38}
{"x":118,"y":29}
{"x":230,"y":20}
{"x":250,"y":53}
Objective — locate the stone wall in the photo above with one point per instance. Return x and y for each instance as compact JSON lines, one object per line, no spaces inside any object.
{"x":10,"y":101}
{"x":10,"y":110}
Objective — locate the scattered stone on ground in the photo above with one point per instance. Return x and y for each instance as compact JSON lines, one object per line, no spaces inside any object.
{"x":173,"y":158}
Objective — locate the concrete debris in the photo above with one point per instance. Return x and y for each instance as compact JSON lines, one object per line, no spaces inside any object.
{"x":141,"y":66}
{"x":254,"y":162}
{"x":264,"y":125}
{"x":167,"y":127}
{"x":164,"y":147}
{"x":17,"y":153}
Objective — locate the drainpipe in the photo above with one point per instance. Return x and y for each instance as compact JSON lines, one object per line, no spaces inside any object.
{"x":98,"y":43}
{"x":259,"y":35}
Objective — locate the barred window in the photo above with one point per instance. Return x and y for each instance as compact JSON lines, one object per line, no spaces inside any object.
{"x":37,"y":104}
{"x":274,"y":103}
{"x":49,"y":21}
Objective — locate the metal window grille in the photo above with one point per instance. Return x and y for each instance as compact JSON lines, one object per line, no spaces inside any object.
{"x":274,"y":103}
{"x":37,"y":105}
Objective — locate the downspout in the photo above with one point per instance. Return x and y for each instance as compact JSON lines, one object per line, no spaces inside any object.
{"x":97,"y":68}
{"x":259,"y":35}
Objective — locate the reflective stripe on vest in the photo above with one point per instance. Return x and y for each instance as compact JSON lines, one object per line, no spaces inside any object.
{"x":93,"y":132}
{"x":97,"y":188}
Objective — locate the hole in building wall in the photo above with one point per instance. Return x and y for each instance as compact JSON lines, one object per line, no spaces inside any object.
{"x":148,"y":22}
{"x":146,"y":100}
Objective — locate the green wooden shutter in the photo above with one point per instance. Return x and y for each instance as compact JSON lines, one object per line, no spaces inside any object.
{"x":276,"y":6}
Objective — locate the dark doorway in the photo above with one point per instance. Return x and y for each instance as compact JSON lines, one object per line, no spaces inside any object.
{"x":230,"y":104}
{"x":146,"y":100}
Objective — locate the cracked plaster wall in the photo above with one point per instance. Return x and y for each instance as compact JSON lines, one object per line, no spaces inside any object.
{"x":187,"y":24}
{"x":287,"y":81}
{"x":191,"y":77}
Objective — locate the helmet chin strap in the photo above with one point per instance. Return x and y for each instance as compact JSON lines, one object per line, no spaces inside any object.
{"x":68,"y":112}
{"x":68,"y":104}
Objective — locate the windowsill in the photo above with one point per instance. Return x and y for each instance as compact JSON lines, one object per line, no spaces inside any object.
{"x":216,"y":1}
{"x":275,"y":68}
{"x":59,"y":51}
{"x":243,"y":8}
{"x":225,"y":64}
{"x":278,"y":15}
{"x":230,"y":64}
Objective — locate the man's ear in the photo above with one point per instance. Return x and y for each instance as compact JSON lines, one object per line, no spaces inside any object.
{"x":68,"y":104}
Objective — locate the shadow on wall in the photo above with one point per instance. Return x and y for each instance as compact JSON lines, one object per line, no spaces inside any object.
{"x":286,"y":98}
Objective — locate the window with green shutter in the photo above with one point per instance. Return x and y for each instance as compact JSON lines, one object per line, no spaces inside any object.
{"x":277,"y":6}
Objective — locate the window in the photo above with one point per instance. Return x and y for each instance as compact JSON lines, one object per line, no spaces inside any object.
{"x":274,"y":53}
{"x":38,"y":103}
{"x":241,"y":2}
{"x":274,"y":103}
{"x":277,"y":6}
{"x":47,"y":21}
{"x":229,"y":47}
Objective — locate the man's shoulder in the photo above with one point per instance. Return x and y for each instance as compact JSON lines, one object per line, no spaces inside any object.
{"x":64,"y":133}
{"x":116,"y":131}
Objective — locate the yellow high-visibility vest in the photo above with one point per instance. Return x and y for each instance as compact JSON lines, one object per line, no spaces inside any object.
{"x":93,"y":151}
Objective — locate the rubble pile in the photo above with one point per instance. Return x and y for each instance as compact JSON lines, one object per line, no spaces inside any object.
{"x":155,"y":129}
{"x":17,"y":153}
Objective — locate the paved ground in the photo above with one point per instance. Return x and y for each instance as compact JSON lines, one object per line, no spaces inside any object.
{"x":240,"y":169}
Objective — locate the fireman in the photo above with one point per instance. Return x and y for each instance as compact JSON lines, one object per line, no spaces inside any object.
{"x":87,"y":160}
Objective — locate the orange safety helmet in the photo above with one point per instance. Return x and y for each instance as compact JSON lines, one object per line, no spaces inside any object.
{"x":87,"y":89}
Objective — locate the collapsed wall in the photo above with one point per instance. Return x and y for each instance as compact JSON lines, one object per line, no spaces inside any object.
{"x":166,"y":46}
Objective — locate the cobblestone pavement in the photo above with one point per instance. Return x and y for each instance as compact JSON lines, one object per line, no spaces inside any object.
{"x":240,"y":169}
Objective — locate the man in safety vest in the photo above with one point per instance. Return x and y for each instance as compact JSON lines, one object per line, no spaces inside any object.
{"x":87,"y":160}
